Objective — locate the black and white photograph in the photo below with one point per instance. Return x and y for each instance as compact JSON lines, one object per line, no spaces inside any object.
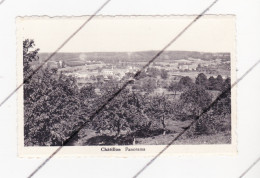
{"x":115,"y":90}
{"x":129,"y":89}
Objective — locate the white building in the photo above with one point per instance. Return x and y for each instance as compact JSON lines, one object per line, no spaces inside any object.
{"x":107,"y":72}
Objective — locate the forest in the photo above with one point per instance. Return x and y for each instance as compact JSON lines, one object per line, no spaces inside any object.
{"x":55,"y":108}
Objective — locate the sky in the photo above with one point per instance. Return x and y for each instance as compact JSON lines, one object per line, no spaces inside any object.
{"x":210,"y":33}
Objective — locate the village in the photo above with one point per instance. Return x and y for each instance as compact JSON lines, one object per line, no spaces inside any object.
{"x":92,"y":71}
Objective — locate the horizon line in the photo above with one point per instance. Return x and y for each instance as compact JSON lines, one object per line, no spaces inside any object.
{"x":137,"y":51}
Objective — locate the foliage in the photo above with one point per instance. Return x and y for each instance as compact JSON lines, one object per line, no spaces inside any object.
{"x":223,"y":104}
{"x":51,"y":106}
{"x":153,"y":72}
{"x":174,"y":87}
{"x":87,"y":91}
{"x":201,"y":80}
{"x":211,"y":83}
{"x":194,"y":100}
{"x":29,"y":55}
{"x":185,"y":82}
{"x":215,"y":83}
{"x":88,"y":100}
{"x":160,"y":109}
{"x":54,"y":107}
{"x":51,"y":109}
{"x":209,"y":123}
{"x":219,"y":82}
{"x":124,"y":112}
{"x":164,"y":74}
{"x":218,"y":117}
{"x":148,"y":84}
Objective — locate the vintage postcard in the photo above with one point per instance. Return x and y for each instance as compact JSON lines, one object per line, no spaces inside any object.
{"x":94,"y":97}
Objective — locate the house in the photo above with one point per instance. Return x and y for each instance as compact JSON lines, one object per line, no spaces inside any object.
{"x":107,"y":72}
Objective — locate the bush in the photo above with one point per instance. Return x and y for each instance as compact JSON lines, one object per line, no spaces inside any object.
{"x":194,"y":100}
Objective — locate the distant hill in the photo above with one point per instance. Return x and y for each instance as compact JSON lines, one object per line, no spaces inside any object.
{"x":135,"y":56}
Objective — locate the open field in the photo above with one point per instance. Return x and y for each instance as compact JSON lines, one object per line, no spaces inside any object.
{"x":173,"y":129}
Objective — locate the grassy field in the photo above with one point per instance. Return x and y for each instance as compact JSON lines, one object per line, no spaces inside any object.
{"x":174,"y":128}
{"x":221,"y":138}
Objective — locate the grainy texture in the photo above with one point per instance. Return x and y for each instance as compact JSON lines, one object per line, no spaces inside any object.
{"x":152,"y":105}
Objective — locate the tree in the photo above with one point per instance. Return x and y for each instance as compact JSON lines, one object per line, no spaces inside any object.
{"x":88,"y":100}
{"x":201,"y":80}
{"x":175,"y":87}
{"x":195,"y":100}
{"x":160,"y":109}
{"x":51,"y":105}
{"x":29,"y":55}
{"x":100,"y":78}
{"x":219,"y":83}
{"x":153,"y":72}
{"x":52,"y":109}
{"x":142,"y":75}
{"x":223,"y":104}
{"x":148,"y":84}
{"x":164,"y":74}
{"x":215,"y":83}
{"x":88,"y":91}
{"x":218,"y":117}
{"x":185,"y":82}
{"x":124,"y":112}
{"x":211,"y":83}
{"x":198,"y":67}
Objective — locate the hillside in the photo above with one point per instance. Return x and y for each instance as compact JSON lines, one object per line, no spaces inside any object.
{"x":136,"y":56}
